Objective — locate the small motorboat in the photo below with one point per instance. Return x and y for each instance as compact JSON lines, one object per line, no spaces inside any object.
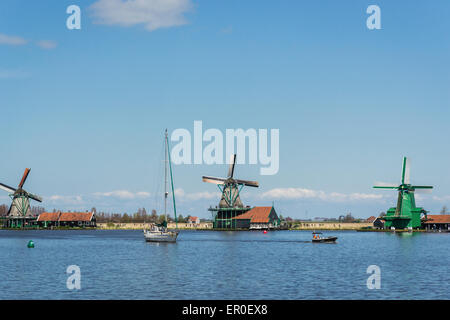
{"x":318,"y":238}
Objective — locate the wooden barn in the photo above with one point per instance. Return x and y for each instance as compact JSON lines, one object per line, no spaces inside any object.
{"x":67,"y":219}
{"x":437,"y":222}
{"x":258,"y":218}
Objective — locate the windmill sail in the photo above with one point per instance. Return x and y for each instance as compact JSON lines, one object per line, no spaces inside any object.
{"x":406,"y":171}
{"x":230,"y":187}
{"x":7,"y":188}
{"x":231,"y":167}
{"x":20,"y":206}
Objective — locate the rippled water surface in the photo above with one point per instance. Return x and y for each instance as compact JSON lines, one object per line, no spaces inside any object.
{"x":223,"y":265}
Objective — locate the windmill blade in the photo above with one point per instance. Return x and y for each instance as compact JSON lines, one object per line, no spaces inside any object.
{"x":423,"y":189}
{"x":24,"y":178}
{"x":231,"y":167}
{"x":248,"y":183}
{"x":213,"y":180}
{"x":7,"y":188}
{"x":406,"y":171}
{"x":34,"y":197}
{"x":385,"y":187}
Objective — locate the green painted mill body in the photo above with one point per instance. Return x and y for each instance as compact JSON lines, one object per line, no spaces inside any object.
{"x":405,"y":215}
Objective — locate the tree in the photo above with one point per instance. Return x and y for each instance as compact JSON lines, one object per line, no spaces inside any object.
{"x":161,"y":218}
{"x":444,"y":210}
{"x":125,"y":218}
{"x":349,"y":218}
{"x":35,"y":211}
{"x":154,"y":216}
{"x":4,"y":210}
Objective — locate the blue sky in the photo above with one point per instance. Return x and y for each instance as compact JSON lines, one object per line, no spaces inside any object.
{"x":86,"y":109}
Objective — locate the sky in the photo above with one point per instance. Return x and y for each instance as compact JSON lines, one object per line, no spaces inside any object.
{"x":86,"y":109}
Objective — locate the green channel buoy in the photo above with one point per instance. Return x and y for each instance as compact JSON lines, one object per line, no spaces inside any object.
{"x":30,"y":244}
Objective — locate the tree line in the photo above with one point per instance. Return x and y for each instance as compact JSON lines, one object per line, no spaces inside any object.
{"x":140,"y":216}
{"x":35,"y":211}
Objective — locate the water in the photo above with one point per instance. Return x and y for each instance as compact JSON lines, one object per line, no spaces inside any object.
{"x":223,"y":265}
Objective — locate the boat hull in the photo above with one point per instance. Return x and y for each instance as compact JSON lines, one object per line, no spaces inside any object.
{"x":329,"y":239}
{"x":160,"y":236}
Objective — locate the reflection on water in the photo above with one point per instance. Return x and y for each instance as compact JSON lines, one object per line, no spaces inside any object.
{"x":223,"y":265}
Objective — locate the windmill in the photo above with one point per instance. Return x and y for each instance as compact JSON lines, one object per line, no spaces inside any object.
{"x":405,"y":214}
{"x":20,"y":209}
{"x":230,"y":204}
{"x":230,"y":187}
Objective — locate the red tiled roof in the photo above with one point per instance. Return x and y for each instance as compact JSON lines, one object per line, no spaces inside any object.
{"x":193,"y":218}
{"x":76,"y":216}
{"x":371,"y":219}
{"x":438,"y":218}
{"x":49,"y":216}
{"x":256,"y":215}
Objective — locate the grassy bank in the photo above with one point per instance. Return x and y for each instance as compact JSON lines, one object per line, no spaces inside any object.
{"x":329,"y":225}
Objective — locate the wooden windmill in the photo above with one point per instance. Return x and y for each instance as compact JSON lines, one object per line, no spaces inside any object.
{"x":230,"y":204}
{"x":230,"y":187}
{"x":20,"y":208}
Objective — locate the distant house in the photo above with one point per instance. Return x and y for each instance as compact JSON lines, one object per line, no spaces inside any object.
{"x":378,"y":223}
{"x":371,"y":219}
{"x":258,"y":218}
{"x":193,"y":220}
{"x":437,"y":222}
{"x":67,"y":219}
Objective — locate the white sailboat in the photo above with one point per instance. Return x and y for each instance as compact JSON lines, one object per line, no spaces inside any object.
{"x":159,"y":232}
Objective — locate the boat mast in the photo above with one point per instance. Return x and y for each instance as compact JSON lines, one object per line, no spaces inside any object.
{"x":171,"y":182}
{"x":165,"y":176}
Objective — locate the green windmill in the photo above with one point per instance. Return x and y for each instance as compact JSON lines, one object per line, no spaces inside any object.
{"x":406,"y":214}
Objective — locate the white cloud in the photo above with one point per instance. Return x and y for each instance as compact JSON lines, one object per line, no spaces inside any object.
{"x":123,"y":194}
{"x":58,"y":199}
{"x":12,"y":40}
{"x":293,"y":193}
{"x":153,"y":14}
{"x":47,"y":44}
{"x":180,"y":194}
{"x":441,"y":198}
{"x":302,"y":193}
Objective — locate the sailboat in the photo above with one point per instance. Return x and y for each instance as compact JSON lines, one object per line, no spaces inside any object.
{"x":159,"y":232}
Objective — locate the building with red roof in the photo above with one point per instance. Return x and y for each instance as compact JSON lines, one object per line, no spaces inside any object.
{"x":193,"y":220}
{"x":437,"y":222}
{"x":258,"y":218}
{"x":67,"y":219}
